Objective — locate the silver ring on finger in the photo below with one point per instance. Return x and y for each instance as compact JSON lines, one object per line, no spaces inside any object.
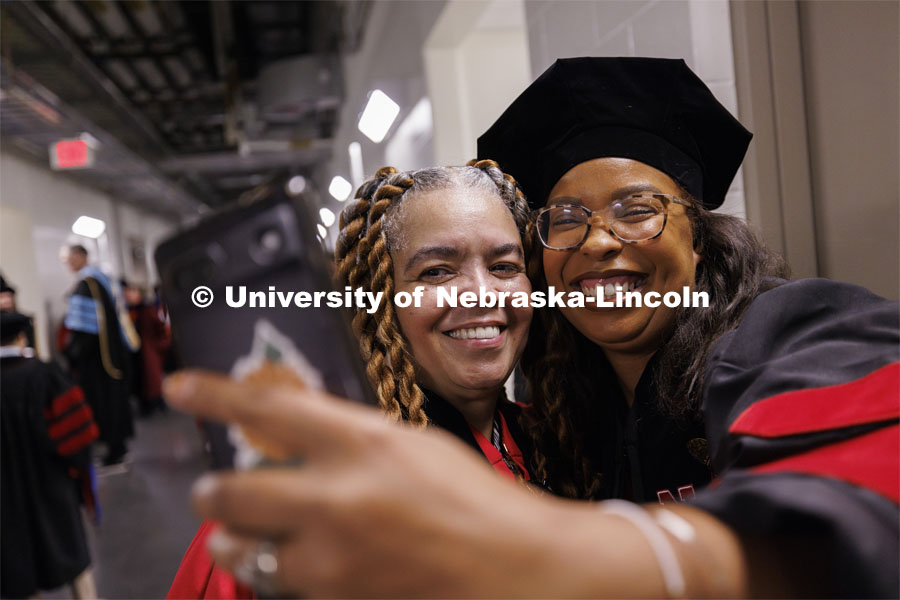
{"x":259,"y":568}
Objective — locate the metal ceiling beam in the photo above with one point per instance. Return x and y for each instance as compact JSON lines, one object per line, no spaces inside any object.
{"x":100,"y":30}
{"x":223,"y":40}
{"x":33,"y":117}
{"x":139,"y":32}
{"x":230,"y":162}
{"x":117,"y":52}
{"x":39,"y":24}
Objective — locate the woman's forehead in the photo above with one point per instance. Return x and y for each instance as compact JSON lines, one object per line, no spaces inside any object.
{"x":442,"y":207}
{"x":460,"y":217}
{"x":610,"y":178}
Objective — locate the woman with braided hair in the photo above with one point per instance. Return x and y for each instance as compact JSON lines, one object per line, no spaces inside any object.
{"x":439,"y":227}
{"x":429,"y":365}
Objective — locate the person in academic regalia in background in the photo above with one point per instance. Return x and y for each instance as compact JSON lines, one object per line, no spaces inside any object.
{"x":47,"y":431}
{"x":7,"y":295}
{"x":97,"y":351}
{"x":148,"y":366}
{"x":8,"y":303}
{"x":135,"y":362}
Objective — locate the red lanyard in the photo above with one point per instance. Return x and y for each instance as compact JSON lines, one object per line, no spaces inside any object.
{"x":500,"y":445}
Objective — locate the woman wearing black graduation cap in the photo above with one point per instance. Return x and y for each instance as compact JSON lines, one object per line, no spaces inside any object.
{"x":785,"y":392}
{"x":783,"y":379}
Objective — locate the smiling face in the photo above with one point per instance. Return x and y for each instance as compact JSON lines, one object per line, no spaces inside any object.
{"x":665,"y":263}
{"x":466,"y":238}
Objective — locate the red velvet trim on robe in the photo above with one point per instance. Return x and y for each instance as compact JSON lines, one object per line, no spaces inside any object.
{"x":79,"y":441}
{"x":870,"y":461}
{"x":868,"y":399}
{"x":199,"y":577}
{"x":70,"y":422}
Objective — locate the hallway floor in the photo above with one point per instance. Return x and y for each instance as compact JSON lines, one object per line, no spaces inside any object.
{"x":147,"y":522}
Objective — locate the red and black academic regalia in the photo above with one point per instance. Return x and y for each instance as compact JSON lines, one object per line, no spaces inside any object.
{"x":154,"y":344}
{"x":47,"y":429}
{"x":800,"y":428}
{"x":99,"y":357}
{"x":199,"y":577}
{"x":801,"y":404}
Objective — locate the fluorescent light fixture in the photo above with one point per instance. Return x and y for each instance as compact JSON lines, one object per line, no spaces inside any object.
{"x":88,"y":227}
{"x":323,"y":233}
{"x":296,"y":185}
{"x":340,"y":188}
{"x":378,"y":116}
{"x":327,"y":216}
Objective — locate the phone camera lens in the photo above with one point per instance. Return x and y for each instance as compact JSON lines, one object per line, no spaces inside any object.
{"x":270,"y":240}
{"x":269,"y":243}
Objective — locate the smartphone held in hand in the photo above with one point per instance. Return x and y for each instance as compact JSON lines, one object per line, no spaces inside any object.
{"x":249,"y":294}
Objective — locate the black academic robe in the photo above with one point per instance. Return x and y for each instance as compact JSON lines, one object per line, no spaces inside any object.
{"x":46,"y":431}
{"x":105,"y":382}
{"x":444,"y":415}
{"x":799,"y":431}
{"x":648,"y":457}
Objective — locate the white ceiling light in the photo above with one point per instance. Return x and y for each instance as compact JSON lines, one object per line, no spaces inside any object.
{"x":327,"y":216}
{"x":88,"y":227}
{"x":340,"y":188}
{"x":296,"y":185}
{"x":323,"y":233}
{"x":378,"y":116}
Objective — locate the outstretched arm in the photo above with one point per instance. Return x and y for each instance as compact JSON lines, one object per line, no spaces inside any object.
{"x":379,"y":509}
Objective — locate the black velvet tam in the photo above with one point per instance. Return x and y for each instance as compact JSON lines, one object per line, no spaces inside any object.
{"x":12,"y":324}
{"x":653,"y":110}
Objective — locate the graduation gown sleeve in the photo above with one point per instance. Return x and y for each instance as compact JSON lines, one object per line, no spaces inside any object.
{"x":199,"y":577}
{"x":801,"y":403}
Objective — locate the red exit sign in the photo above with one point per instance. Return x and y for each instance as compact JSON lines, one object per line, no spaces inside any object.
{"x":71,"y":154}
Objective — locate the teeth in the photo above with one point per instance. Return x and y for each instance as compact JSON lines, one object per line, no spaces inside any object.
{"x":608,"y":291}
{"x":476,"y":333}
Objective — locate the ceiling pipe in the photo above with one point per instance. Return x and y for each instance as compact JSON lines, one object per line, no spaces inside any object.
{"x":42,"y":26}
{"x":223,"y":41}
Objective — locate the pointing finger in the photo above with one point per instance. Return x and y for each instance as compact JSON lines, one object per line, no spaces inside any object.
{"x":306,"y":422}
{"x":266,"y":503}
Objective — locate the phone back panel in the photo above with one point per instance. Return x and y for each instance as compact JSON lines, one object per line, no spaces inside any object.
{"x":268,"y":246}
